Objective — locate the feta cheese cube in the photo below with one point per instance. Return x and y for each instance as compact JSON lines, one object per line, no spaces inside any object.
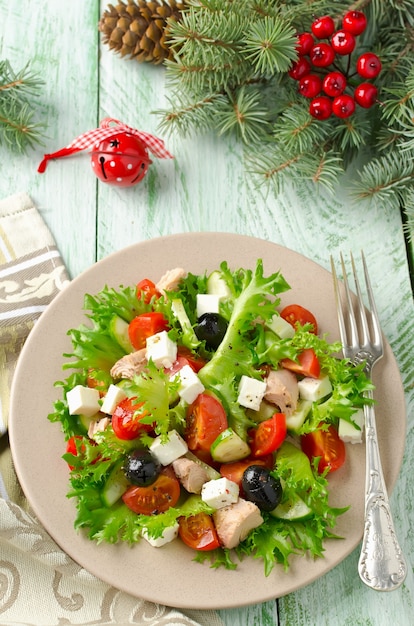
{"x":314,"y":388}
{"x":281,"y":327}
{"x":219,"y":493}
{"x":251,"y":392}
{"x":83,"y":401}
{"x":169,"y":534}
{"x":190,"y":384}
{"x":169,"y":451}
{"x":207,"y":303}
{"x":347,"y":431}
{"x":114,"y":396}
{"x":161,"y":349}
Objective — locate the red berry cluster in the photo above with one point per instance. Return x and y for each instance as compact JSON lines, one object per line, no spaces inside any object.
{"x":320,"y":75}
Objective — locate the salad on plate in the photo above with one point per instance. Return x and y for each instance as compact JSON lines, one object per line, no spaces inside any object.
{"x":200,"y":410}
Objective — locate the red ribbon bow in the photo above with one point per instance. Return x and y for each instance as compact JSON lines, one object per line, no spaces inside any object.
{"x":107,"y":128}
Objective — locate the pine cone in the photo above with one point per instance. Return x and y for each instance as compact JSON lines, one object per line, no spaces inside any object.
{"x":139,"y":29}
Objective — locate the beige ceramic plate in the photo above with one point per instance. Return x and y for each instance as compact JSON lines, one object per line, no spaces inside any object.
{"x":169,"y":575}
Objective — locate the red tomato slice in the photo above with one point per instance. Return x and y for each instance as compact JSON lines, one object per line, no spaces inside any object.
{"x":71,"y":447}
{"x":125,"y":425}
{"x":186,"y":357}
{"x":145,"y":325}
{"x":297,"y":314}
{"x":269,"y":435}
{"x":198,"y":532}
{"x":327,"y":445}
{"x":234,"y":471}
{"x":156,"y":498}
{"x":306,"y":365}
{"x":206,"y":419}
{"x":147,"y":290}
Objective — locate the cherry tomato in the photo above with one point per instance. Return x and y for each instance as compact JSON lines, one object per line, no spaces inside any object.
{"x":145,"y":325}
{"x":198,"y":532}
{"x":72,"y":447}
{"x":269,"y":435}
{"x":155,"y":498}
{"x":297,"y":314}
{"x":306,"y":365}
{"x":234,"y":471}
{"x":186,"y":357}
{"x":125,"y":425}
{"x":206,"y":419}
{"x":147,"y":290}
{"x":327,"y":445}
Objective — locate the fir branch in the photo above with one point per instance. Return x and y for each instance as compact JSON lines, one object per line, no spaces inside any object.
{"x":270,"y":46}
{"x":18,"y":128}
{"x":188,"y":117}
{"x":408,"y":210}
{"x":245,"y":115}
{"x":386,"y":179}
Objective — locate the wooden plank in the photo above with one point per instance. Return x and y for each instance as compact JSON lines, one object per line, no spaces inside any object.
{"x":61,"y":47}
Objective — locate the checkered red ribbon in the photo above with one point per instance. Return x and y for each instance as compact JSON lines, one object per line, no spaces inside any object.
{"x":107,"y":128}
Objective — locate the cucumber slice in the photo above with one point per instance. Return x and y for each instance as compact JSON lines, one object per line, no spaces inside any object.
{"x":115,"y":486}
{"x":229,"y":447}
{"x":84,"y":421}
{"x":119,"y":331}
{"x":281,"y":327}
{"x":296,"y":461}
{"x":184,"y":321}
{"x":216,"y":285}
{"x":293,"y":509}
{"x":296,"y":420}
{"x":210,"y":471}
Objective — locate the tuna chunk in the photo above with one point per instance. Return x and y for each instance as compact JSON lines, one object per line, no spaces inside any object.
{"x":190,"y":474}
{"x":234,"y":522}
{"x":171,"y":280}
{"x":130,"y":365}
{"x":98,"y":426}
{"x":282,"y":390}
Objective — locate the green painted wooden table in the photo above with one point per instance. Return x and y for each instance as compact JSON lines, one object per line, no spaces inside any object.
{"x":203,"y":189}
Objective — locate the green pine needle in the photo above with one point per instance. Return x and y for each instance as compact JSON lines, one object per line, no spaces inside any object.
{"x":18,"y":128}
{"x":270,"y":46}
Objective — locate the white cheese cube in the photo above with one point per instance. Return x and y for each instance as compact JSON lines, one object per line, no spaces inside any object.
{"x":161,"y":349}
{"x":207,"y":303}
{"x":190,"y":384}
{"x":169,"y":451}
{"x":114,"y":396}
{"x":314,"y":389}
{"x":347,"y":431}
{"x":219,"y":493}
{"x":281,"y":327}
{"x":251,"y":392}
{"x":83,"y":401}
{"x":170,"y":533}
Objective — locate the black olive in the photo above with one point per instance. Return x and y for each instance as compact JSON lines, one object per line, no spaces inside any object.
{"x":211,"y":328}
{"x":261,"y":487}
{"x":142,"y":468}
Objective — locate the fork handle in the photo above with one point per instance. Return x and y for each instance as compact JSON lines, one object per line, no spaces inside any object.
{"x":381,"y":564}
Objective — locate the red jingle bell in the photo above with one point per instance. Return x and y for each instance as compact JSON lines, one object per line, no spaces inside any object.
{"x":119,"y":153}
{"x":121,"y":160}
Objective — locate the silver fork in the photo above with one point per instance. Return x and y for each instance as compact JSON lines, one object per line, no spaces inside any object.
{"x":381,"y":563}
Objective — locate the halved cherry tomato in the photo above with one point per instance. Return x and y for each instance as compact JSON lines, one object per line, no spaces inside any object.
{"x":205,"y":420}
{"x":327,"y":445}
{"x":147,"y":290}
{"x":72,"y":447}
{"x":186,"y":357}
{"x":269,"y":435}
{"x":125,"y":425}
{"x":234,"y":471}
{"x":297,"y":314}
{"x":155,"y":498}
{"x":145,"y":325}
{"x":306,"y":365}
{"x":198,"y":532}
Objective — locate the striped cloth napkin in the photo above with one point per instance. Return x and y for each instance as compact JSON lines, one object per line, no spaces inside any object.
{"x":39,"y":583}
